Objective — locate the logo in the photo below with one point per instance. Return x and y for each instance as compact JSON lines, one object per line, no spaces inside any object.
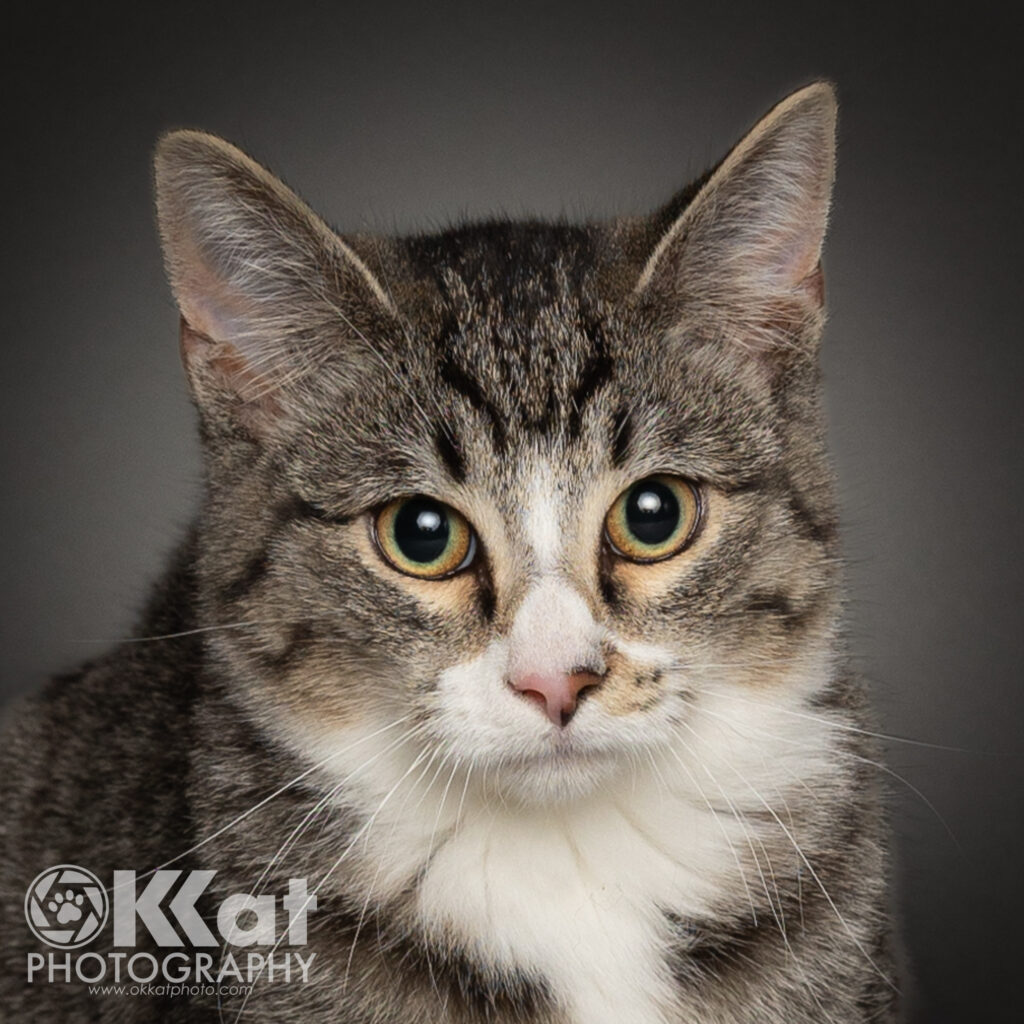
{"x":66,"y":906}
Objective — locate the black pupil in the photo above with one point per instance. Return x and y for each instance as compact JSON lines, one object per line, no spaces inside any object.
{"x":652,"y":512}
{"x":421,"y":530}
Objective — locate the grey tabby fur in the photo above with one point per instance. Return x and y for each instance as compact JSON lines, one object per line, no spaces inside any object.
{"x":525,"y":373}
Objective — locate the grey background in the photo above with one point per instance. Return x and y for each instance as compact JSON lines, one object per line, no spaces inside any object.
{"x":402,"y":116}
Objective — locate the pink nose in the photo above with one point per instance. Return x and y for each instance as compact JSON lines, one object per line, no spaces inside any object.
{"x":556,"y":693}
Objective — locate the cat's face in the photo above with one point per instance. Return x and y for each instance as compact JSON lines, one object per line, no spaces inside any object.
{"x":535,"y":489}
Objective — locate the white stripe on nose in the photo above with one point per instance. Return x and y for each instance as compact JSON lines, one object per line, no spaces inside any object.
{"x":554,"y":633}
{"x":542,"y":519}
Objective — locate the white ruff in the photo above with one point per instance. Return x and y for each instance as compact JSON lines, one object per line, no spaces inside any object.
{"x":574,"y":896}
{"x":574,"y":892}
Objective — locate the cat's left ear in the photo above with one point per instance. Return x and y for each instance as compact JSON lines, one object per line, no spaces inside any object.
{"x":743,"y":258}
{"x":267,"y":291}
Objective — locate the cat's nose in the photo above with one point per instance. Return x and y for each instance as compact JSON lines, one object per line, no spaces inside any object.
{"x":557,"y":694}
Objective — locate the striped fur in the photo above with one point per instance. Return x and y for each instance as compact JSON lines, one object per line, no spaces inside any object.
{"x":704,"y":841}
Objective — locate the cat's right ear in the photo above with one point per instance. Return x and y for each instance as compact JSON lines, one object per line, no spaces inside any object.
{"x":266,"y":290}
{"x":742,"y":259}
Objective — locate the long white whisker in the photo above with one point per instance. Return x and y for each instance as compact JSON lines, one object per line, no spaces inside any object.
{"x":832,"y":722}
{"x":746,"y":832}
{"x":326,"y":799}
{"x":423,"y":755}
{"x":241,"y":624}
{"x":777,"y":912}
{"x":362,"y":830}
{"x":267,"y":799}
{"x":881,"y":766}
{"x":813,"y":873}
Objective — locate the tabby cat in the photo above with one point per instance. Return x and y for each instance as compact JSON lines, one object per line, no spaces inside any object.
{"x":509,"y":632}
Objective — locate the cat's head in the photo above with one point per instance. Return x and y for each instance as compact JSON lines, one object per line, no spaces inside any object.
{"x":535,"y":490}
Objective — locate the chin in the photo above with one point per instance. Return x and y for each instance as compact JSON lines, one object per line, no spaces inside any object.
{"x":569,"y":771}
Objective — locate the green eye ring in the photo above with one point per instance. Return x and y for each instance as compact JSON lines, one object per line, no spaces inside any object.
{"x":654,"y":519}
{"x":425,"y":538}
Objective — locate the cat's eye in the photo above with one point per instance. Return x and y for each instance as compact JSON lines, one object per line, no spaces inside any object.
{"x":654,"y":519}
{"x":424,"y":537}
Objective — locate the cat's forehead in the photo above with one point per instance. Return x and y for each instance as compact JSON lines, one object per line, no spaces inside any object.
{"x":509,"y":268}
{"x":514,"y":340}
{"x":524,"y":362}
{"x":518,"y":326}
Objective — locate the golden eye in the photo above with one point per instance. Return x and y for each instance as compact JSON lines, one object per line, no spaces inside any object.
{"x":423,"y":537}
{"x":654,"y":519}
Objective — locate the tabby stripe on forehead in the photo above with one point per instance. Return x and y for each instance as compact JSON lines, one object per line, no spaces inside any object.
{"x":622,"y":436}
{"x":457,"y":378}
{"x":450,"y":452}
{"x":596,"y":372}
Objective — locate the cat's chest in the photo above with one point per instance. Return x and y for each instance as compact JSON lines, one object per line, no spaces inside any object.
{"x":578,"y":899}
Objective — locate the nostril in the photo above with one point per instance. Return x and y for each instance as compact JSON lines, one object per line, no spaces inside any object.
{"x":535,"y":695}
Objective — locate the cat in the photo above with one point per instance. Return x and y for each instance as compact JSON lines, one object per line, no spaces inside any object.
{"x":507,"y":644}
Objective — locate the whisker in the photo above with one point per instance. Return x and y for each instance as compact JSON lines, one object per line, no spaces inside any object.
{"x":325,"y":800}
{"x":266,"y":800}
{"x":777,"y":912}
{"x":810,"y":868}
{"x":380,"y":865}
{"x":881,"y":766}
{"x":192,"y":632}
{"x":364,"y":828}
{"x":740,"y":820}
{"x":832,"y":722}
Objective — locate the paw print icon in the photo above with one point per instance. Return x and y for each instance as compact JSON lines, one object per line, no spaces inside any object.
{"x":66,"y":906}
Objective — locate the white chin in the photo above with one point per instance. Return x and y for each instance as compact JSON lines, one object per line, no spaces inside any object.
{"x":555,"y":777}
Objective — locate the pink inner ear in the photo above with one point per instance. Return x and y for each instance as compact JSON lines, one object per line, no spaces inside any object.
{"x":217,"y":347}
{"x":789,"y":255}
{"x":218,"y":367}
{"x":212,"y":307}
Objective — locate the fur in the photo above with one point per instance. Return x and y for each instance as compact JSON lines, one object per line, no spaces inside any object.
{"x":704,"y":840}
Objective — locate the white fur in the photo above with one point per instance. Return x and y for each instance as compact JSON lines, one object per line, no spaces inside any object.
{"x":542,"y":519}
{"x":553,"y":631}
{"x":570,"y":882}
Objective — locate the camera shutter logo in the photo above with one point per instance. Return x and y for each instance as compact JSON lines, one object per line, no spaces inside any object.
{"x":66,"y":906}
